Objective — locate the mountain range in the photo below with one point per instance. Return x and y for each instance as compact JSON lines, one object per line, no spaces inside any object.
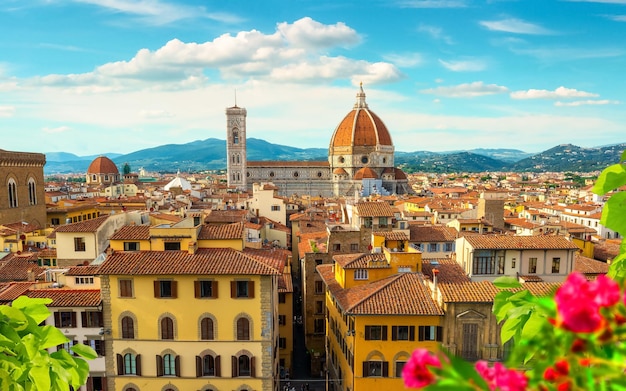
{"x":210,"y":154}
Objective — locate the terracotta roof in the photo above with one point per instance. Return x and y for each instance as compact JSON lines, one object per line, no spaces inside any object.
{"x":16,"y":267}
{"x":587,"y":265}
{"x":519,"y":242}
{"x":374,"y":209}
{"x":226,"y":216}
{"x":204,"y":261}
{"x":274,"y":257}
{"x":468,"y":292}
{"x":82,"y":270}
{"x":132,"y":232}
{"x":83,"y":226}
{"x":449,"y":271}
{"x":339,"y":171}
{"x":221,"y":231}
{"x":102,"y":165}
{"x":47,"y":253}
{"x":20,"y":227}
{"x":400,"y":294}
{"x":12,"y":290}
{"x":392,"y":235}
{"x":361,"y":261}
{"x":433,"y":233}
{"x":400,"y":175}
{"x":68,"y":297}
{"x":285,"y":284}
{"x":365,"y":173}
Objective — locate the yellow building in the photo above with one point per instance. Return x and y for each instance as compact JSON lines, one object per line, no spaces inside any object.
{"x":71,"y":211}
{"x":379,"y":310}
{"x":190,"y":320}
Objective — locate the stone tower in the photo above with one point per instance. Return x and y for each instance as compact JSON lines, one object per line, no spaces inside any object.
{"x":236,"y":147}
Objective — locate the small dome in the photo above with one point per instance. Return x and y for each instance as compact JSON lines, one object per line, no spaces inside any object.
{"x":339,"y":171}
{"x":400,"y":175}
{"x":360,"y":127}
{"x":366,"y":173}
{"x":102,"y":165}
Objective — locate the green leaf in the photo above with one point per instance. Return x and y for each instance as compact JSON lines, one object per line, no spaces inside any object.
{"x":533,"y":325}
{"x":613,"y":213}
{"x":40,"y":377}
{"x":51,"y":336}
{"x":506,"y":282}
{"x":25,"y":302}
{"x":509,"y":329}
{"x":611,"y":178}
{"x":84,"y":351}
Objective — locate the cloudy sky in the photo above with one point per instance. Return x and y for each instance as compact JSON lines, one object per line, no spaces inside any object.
{"x":101,"y":76}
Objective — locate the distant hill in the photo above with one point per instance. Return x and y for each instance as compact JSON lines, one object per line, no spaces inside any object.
{"x":210,"y":154}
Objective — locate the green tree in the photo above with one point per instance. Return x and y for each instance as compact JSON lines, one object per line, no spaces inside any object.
{"x":25,"y":363}
{"x":126,"y":169}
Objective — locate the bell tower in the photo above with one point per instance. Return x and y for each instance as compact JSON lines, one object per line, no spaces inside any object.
{"x":236,"y":147}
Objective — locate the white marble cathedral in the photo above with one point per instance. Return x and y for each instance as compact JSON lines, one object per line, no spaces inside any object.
{"x":360,"y":159}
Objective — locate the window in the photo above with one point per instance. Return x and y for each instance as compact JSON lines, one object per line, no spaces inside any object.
{"x":532,"y":265}
{"x":243,"y":366}
{"x":282,"y":320}
{"x":205,"y":289}
{"x":79,"y":244}
{"x":206,"y":329}
{"x":367,"y":222}
{"x":275,"y":208}
{"x":167,"y":328}
{"x":243,"y":329}
{"x":128,"y":327}
{"x":432,"y":247}
{"x":375,"y":333}
{"x":336,"y":246}
{"x":91,"y":318}
{"x":97,"y":345}
{"x":126,"y":288}
{"x":131,"y":246}
{"x":484,"y":263}
{"x":235,"y":137}
{"x":282,"y":298}
{"x":165,"y":289}
{"x":129,"y":364}
{"x":403,"y":333}
{"x":354,"y":247}
{"x":360,"y":274}
{"x":556,"y":265}
{"x":83,"y":280}
{"x":55,"y":221}
{"x":282,"y":343}
{"x":319,"y":287}
{"x":11,"y":186}
{"x":447,"y":247}
{"x":319,"y":326}
{"x":430,"y":333}
{"x":319,"y":307}
{"x":207,"y":365}
{"x":32,"y":192}
{"x":399,"y":367}
{"x":171,"y":246}
{"x":65,"y":319}
{"x":242,"y":289}
{"x":500,"y":264}
{"x":169,"y":365}
{"x":364,"y":159}
{"x":382,"y":221}
{"x":375,"y":369}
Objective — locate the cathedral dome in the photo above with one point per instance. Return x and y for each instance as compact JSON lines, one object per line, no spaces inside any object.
{"x":360,"y":128}
{"x":365,"y":173}
{"x":102,"y":165}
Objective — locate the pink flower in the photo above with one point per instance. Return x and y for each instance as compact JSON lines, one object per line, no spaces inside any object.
{"x":416,"y":373}
{"x":498,"y":377}
{"x":606,"y":291}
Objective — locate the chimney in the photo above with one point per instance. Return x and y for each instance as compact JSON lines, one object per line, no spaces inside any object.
{"x":30,"y":275}
{"x":109,"y":251}
{"x":435,"y":273}
{"x":193,"y":246}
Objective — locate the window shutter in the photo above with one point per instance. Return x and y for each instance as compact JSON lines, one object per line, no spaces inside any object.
{"x":74,"y":322}
{"x":218,"y":367}
{"x":83,"y":318}
{"x":233,"y":289}
{"x":251,"y":289}
{"x":234,"y":371}
{"x":198,"y":366}
{"x":120,"y":364}
{"x":196,"y":289}
{"x":411,"y":333}
{"x":174,"y":289}
{"x":439,"y":332}
{"x":366,"y":368}
{"x":177,"y":366}
{"x":421,"y":333}
{"x":100,"y":319}
{"x":157,"y":290}
{"x":367,"y":332}
{"x":214,"y":289}
{"x":384,"y":336}
{"x":57,"y":319}
{"x":138,"y":364}
{"x":252,"y":366}
{"x":89,"y":384}
{"x":385,"y":368}
{"x":394,"y":333}
{"x":159,"y":365}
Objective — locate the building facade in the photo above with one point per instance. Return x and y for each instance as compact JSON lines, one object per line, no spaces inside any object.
{"x":22,"y":197}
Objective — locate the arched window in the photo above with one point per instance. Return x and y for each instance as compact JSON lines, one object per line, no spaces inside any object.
{"x":130,"y":364}
{"x":32,"y":192}
{"x":235,"y":137}
{"x":238,"y":159}
{"x":208,"y":365}
{"x":206,"y":329}
{"x":169,"y":365}
{"x":12,"y":188}
{"x":128,"y":327}
{"x":243,"y":329}
{"x":167,"y":328}
{"x":243,"y":363}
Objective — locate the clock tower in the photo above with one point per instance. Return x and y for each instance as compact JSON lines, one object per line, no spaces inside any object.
{"x":236,"y":147}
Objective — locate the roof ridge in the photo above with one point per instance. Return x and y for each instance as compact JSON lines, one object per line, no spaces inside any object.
{"x":383,"y":285}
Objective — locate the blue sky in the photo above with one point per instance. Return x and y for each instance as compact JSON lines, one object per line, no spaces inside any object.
{"x":101,"y":76}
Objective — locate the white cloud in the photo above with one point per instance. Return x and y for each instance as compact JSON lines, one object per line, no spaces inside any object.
{"x":155,"y":114}
{"x":308,"y":33}
{"x":59,"y":129}
{"x":7,"y":111}
{"x":569,"y":54}
{"x":515,"y":26}
{"x":559,"y":93}
{"x":477,"y":88}
{"x":432,"y":3}
{"x":407,"y":60}
{"x":617,"y":18}
{"x":464,"y":66}
{"x":436,"y":33}
{"x":587,"y":102}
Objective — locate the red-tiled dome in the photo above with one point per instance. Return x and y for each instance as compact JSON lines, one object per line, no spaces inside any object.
{"x":400,"y":175}
{"x":339,"y":171}
{"x":361,"y":127}
{"x":102,"y":165}
{"x":365,"y":173}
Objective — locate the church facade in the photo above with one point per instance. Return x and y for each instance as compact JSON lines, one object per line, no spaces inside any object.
{"x":360,"y":159}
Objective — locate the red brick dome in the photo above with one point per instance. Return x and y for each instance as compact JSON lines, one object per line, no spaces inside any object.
{"x":102,"y":165}
{"x":365,"y":173}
